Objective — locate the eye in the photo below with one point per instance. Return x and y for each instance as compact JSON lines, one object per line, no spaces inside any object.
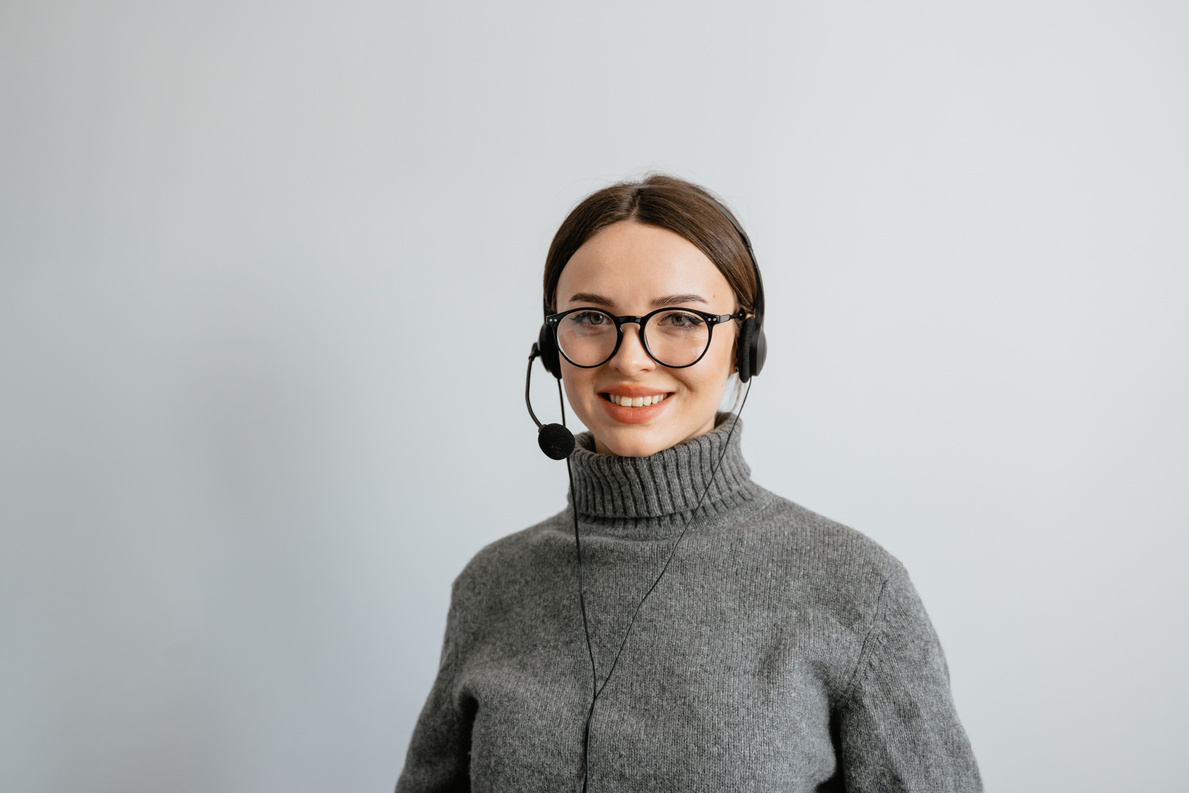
{"x":681,"y":320}
{"x":589,"y":318}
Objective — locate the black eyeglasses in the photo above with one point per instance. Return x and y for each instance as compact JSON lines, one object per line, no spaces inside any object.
{"x":673,"y":337}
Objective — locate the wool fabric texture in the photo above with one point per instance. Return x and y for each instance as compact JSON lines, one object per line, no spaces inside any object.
{"x":780,"y":650}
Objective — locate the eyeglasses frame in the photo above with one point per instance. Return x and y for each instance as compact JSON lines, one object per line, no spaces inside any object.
{"x":554,"y":320}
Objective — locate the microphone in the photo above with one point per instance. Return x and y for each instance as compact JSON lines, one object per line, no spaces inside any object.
{"x":554,"y":439}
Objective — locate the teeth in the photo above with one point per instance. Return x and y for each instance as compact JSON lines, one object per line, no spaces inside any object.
{"x":636,"y":402}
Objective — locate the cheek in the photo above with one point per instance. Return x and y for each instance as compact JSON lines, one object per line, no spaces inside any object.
{"x":577,"y":384}
{"x":567,"y":380}
{"x":727,"y":354}
{"x":712,"y":373}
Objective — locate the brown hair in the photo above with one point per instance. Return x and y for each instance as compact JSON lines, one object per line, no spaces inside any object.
{"x":670,"y":203}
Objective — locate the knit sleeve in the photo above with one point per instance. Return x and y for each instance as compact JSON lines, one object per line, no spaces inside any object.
{"x":897,"y":727}
{"x":439,"y":752}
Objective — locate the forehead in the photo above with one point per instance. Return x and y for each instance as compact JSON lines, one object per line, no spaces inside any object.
{"x":632,"y":264}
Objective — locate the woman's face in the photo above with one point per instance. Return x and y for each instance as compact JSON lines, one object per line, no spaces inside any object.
{"x":630,"y":268}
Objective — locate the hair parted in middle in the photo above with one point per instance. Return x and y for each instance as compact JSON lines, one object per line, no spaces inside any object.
{"x":658,"y":200}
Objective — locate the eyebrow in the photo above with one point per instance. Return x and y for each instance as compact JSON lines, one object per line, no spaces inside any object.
{"x":667,"y":300}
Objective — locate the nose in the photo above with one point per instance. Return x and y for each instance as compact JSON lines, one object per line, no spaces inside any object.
{"x":631,"y":357}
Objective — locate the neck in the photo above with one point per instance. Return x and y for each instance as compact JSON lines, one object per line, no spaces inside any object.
{"x":663,"y":489}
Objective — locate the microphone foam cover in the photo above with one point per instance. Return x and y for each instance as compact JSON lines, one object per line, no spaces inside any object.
{"x":556,"y":441}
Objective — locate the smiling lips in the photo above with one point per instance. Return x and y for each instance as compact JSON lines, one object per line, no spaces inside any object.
{"x":628,"y":408}
{"x":635,"y":402}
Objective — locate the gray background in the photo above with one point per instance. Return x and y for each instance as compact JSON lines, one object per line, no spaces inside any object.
{"x":269,"y":273}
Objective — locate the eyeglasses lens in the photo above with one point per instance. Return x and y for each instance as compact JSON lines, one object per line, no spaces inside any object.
{"x":674,"y":338}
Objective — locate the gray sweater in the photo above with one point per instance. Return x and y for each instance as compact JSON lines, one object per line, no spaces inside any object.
{"x":779,"y":652}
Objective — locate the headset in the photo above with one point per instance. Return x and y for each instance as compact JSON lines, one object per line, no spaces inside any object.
{"x":557,"y":442}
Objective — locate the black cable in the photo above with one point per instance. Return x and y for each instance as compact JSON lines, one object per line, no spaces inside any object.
{"x":562,"y":400}
{"x":598,"y":690}
{"x":594,"y":675}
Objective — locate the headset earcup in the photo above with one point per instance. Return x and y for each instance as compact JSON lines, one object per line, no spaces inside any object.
{"x":759,"y":349}
{"x":753,"y":349}
{"x":548,"y":346}
{"x":743,"y":351}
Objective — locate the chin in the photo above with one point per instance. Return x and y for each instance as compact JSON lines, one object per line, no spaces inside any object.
{"x":631,"y":443}
{"x":624,"y":442}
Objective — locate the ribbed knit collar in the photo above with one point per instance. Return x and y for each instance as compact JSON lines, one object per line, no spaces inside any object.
{"x":665,"y":486}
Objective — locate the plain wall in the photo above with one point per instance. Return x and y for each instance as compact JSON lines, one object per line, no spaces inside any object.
{"x":269,"y":273}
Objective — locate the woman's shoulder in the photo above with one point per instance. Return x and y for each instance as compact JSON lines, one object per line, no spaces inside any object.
{"x":807,"y":541}
{"x":516,"y":555}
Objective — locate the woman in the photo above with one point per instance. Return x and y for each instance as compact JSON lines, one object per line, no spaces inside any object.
{"x":678,"y":627}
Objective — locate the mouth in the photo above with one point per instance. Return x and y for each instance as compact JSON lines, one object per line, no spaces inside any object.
{"x":634,"y":401}
{"x":634,"y":408}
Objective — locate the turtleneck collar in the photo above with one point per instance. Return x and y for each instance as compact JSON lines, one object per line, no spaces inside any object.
{"x":664,"y":487}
